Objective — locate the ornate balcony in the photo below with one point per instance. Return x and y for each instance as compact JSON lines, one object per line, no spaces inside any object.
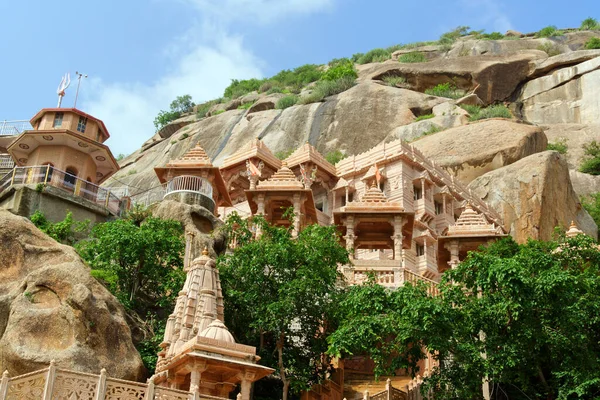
{"x":190,"y":190}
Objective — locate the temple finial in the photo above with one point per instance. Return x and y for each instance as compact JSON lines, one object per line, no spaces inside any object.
{"x":205,"y":251}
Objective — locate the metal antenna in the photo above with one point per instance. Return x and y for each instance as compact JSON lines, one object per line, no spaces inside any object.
{"x":79,"y":75}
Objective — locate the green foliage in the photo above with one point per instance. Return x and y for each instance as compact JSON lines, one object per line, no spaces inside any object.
{"x":471,"y":109}
{"x":424,"y":117}
{"x":333,"y":157}
{"x":591,"y":162}
{"x":549,"y":31}
{"x":525,"y":317}
{"x":591,"y":204}
{"x":337,"y":61}
{"x":433,"y":129}
{"x":593,"y":43}
{"x":182,"y":104}
{"x":265,"y":87}
{"x":245,"y":106}
{"x":283,"y":154}
{"x":203,"y":108}
{"x":278,"y":291}
{"x":447,"y":39}
{"x":550,"y":48}
{"x":356,"y":56}
{"x":340,"y":70}
{"x":375,"y":55}
{"x":120,"y":157}
{"x":239,"y":88}
{"x":184,"y":136}
{"x":560,"y":145}
{"x":447,"y":89}
{"x":39,"y":188}
{"x":218,"y":112}
{"x":274,"y":89}
{"x":412,"y":57}
{"x":28,"y":296}
{"x":417,"y":44}
{"x":286,"y":102}
{"x":140,"y":261}
{"x":495,"y":111}
{"x":324,"y":89}
{"x":590,"y":24}
{"x":132,"y":171}
{"x":491,"y":36}
{"x":65,"y":231}
{"x":394,"y":81}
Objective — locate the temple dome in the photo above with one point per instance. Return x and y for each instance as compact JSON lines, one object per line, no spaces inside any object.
{"x":217,"y":330}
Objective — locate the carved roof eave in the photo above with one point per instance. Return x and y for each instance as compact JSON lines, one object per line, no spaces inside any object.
{"x":371,"y":173}
{"x":307,"y":153}
{"x":309,"y":202}
{"x":342,"y":184}
{"x":260,"y":151}
{"x":371,"y":208}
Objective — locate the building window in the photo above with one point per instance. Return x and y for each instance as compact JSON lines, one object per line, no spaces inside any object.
{"x":418,"y":193}
{"x":82,"y":124}
{"x":420,"y":250}
{"x":58,"y":119}
{"x":439,"y":207}
{"x":70,"y":177}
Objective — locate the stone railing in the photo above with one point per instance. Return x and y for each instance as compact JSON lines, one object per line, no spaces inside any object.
{"x":48,"y":175}
{"x":412,"y":391}
{"x":388,"y":273}
{"x":53,"y":383}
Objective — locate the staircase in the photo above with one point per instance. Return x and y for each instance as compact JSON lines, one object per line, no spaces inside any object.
{"x":354,"y":389}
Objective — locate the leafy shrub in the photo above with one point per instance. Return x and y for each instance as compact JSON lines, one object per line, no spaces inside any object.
{"x":239,"y":88}
{"x":550,"y":48}
{"x":64,"y":231}
{"x":447,"y":39}
{"x":165,"y":117}
{"x":471,"y":109}
{"x":391,"y":80}
{"x":424,"y":117}
{"x":327,"y":88}
{"x":274,"y":89}
{"x":560,"y":145}
{"x":549,"y":31}
{"x":497,"y":111}
{"x":184,"y":136}
{"x":132,"y":171}
{"x":202,"y":109}
{"x":375,"y":55}
{"x":593,"y":43}
{"x":299,"y":77}
{"x":218,"y":112}
{"x":182,"y":104}
{"x":286,"y":102}
{"x":433,"y":129}
{"x":491,"y":36}
{"x":265,"y":87}
{"x":338,"y":61}
{"x":591,"y":162}
{"x":245,"y":106}
{"x":356,"y":56}
{"x":447,"y":89}
{"x":591,"y":204}
{"x":589,"y":24}
{"x":340,"y":70}
{"x":333,"y":157}
{"x":120,"y":157}
{"x":412,"y":57}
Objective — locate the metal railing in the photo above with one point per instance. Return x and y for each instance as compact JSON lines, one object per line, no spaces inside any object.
{"x":48,"y":175}
{"x":188,"y":183}
{"x":16,"y":127}
{"x":6,"y":161}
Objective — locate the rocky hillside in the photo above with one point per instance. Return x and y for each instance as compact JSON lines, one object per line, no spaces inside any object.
{"x":544,"y":88}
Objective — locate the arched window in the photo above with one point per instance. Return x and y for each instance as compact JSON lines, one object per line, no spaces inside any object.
{"x":70,"y":177}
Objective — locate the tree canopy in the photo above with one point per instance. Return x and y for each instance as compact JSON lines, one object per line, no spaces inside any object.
{"x":279,"y":292}
{"x":524,"y":317}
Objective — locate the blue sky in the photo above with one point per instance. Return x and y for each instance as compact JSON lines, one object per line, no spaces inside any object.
{"x":140,"y":54}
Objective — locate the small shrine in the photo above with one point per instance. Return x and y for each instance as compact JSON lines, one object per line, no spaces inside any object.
{"x":193,"y":179}
{"x":274,"y":196}
{"x":470,"y":231}
{"x":199,"y":354}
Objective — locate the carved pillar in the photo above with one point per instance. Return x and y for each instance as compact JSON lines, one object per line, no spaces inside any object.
{"x":349,"y":222}
{"x":253,"y":181}
{"x":397,"y":236}
{"x":195,"y":381}
{"x":453,"y":247}
{"x":297,"y":215}
{"x":260,"y":203}
{"x":246,"y":383}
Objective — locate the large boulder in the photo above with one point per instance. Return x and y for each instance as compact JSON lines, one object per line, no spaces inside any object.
{"x":52,"y":309}
{"x":568,"y":95}
{"x":472,"y":150}
{"x":576,"y":136}
{"x":492,"y":77}
{"x":534,"y":195}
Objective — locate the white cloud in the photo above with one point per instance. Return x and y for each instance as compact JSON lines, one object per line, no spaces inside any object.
{"x":128,"y":109}
{"x":203,"y":62}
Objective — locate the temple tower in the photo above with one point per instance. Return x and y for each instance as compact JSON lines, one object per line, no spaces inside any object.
{"x":199,"y":353}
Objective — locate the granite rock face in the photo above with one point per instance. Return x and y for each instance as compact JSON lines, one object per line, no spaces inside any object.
{"x":472,"y":150}
{"x":51,"y":308}
{"x":534,"y":195}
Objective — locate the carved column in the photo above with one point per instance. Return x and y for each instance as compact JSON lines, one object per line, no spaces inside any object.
{"x":453,"y":247}
{"x":246,"y":383}
{"x":397,"y":236}
{"x":297,"y":214}
{"x":260,"y":203}
{"x":349,"y":222}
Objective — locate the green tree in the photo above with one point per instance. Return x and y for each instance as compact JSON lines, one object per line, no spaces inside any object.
{"x":279,"y":292}
{"x":65,"y":231}
{"x":591,"y":162}
{"x":524,"y":317}
{"x":182,"y":104}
